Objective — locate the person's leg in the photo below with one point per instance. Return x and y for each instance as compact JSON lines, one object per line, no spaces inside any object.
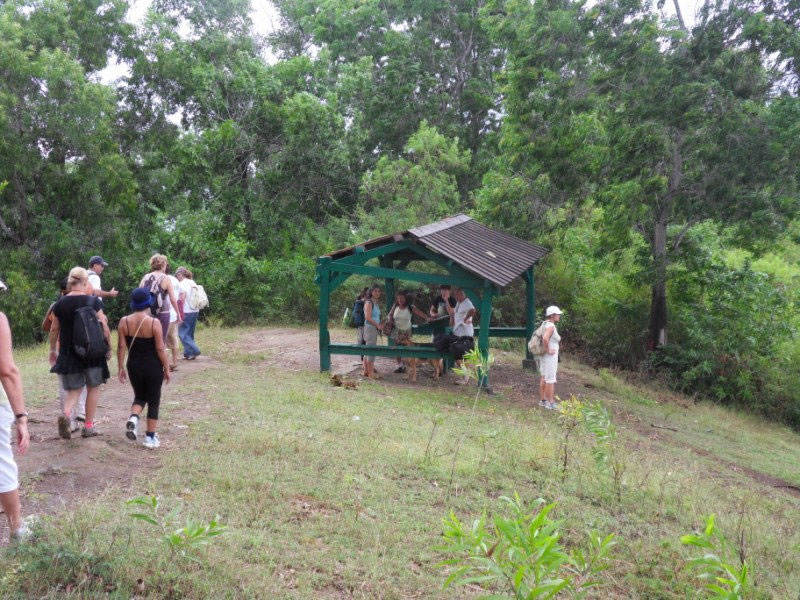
{"x":542,"y":394}
{"x":153,"y":402}
{"x":9,"y":501}
{"x":92,"y":395}
{"x":9,"y":481}
{"x":183,"y":335}
{"x":80,"y":410}
{"x":192,"y":328}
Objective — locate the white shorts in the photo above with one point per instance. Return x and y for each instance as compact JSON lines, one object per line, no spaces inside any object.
{"x":8,"y":468}
{"x":548,"y":366}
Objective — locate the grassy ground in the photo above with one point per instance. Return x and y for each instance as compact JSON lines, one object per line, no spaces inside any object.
{"x":333,"y":493}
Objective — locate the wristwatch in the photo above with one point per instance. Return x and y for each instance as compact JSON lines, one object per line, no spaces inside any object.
{"x":20,"y":415}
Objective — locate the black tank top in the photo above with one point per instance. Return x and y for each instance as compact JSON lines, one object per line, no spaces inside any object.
{"x":142,"y":352}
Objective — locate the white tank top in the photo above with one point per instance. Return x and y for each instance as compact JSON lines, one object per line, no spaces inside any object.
{"x":3,"y":397}
{"x":554,"y":338}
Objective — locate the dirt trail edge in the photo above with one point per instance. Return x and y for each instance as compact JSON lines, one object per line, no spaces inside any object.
{"x":55,"y":473}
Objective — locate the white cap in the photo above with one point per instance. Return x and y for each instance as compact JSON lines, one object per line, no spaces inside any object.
{"x":3,"y":287}
{"x":552,"y":310}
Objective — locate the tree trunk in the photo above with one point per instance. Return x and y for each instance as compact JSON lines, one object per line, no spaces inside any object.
{"x":658,"y":303}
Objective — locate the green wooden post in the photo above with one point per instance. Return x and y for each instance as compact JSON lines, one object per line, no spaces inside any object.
{"x":387,"y":262}
{"x":324,"y":276}
{"x":483,"y":336}
{"x":530,"y":317}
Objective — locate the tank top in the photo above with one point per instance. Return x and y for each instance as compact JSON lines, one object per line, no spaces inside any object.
{"x":376,"y":312}
{"x":3,"y":398}
{"x":142,"y":351}
{"x":555,"y":339}
{"x":402,"y":318}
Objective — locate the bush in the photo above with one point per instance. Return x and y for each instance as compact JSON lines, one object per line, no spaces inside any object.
{"x":731,"y":339}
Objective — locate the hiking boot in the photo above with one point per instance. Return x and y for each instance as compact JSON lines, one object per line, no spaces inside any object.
{"x":130,"y":428}
{"x":63,"y":428}
{"x":151,"y":442}
{"x":89,"y":432}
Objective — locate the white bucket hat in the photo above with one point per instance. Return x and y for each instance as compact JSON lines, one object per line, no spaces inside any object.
{"x":552,"y":310}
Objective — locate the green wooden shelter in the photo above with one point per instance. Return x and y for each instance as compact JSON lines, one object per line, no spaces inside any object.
{"x":474,"y":257}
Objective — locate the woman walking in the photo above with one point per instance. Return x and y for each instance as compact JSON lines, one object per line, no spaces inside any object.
{"x":400,"y":317}
{"x":157,"y":282}
{"x":548,"y":362}
{"x":75,"y":371}
{"x":372,"y":324}
{"x":188,"y":288}
{"x":141,"y":336}
{"x":12,"y":409}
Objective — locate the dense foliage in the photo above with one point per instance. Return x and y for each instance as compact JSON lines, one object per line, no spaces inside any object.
{"x":657,"y":155}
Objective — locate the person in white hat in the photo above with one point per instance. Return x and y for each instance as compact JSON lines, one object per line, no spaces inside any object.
{"x":548,"y":362}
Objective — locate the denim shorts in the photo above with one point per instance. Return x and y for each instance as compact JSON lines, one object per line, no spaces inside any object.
{"x":91,"y":377}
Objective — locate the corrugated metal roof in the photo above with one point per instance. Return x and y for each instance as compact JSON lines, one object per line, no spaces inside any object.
{"x":486,"y":252}
{"x":491,"y":254}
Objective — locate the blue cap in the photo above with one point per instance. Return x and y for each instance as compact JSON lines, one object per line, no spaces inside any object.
{"x":140,"y":298}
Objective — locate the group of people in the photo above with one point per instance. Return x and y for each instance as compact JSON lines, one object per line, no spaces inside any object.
{"x":163,"y":309}
{"x":367,"y":317}
{"x":455,"y":303}
{"x":160,"y":306}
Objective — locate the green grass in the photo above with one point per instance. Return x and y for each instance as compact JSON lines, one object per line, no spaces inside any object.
{"x":320,"y":504}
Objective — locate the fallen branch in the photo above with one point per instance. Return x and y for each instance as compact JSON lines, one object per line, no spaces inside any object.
{"x":664,"y":427}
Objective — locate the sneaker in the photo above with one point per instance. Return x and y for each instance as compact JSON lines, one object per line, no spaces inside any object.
{"x":130,"y":428}
{"x":400,"y":370}
{"x":74,"y":425}
{"x":25,"y":531}
{"x":542,"y":403}
{"x":552,"y":405}
{"x":63,"y":428}
{"x":151,"y":442}
{"x":89,"y":432}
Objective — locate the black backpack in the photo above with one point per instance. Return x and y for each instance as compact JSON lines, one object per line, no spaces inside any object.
{"x":88,"y":341}
{"x":461,"y":346}
{"x":358,"y":313}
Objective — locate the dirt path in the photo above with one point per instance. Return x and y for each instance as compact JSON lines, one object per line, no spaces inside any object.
{"x":56,"y":473}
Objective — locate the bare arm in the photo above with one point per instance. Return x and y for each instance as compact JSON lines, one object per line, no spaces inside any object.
{"x":52,"y":337}
{"x":12,"y":383}
{"x":419,"y":313}
{"x":122,"y":346}
{"x":546,"y":338}
{"x":158,"y":336}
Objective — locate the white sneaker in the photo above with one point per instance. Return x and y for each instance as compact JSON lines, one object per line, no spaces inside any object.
{"x":542,"y":403}
{"x":552,"y":405}
{"x":151,"y":442}
{"x":25,"y":531}
{"x":130,"y":428}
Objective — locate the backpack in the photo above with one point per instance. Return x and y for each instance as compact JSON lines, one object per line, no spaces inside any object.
{"x":536,"y":343}
{"x":358,"y":314}
{"x":347,"y":318}
{"x":462,"y":346}
{"x":153,"y":283}
{"x":88,"y":340}
{"x":199,"y":298}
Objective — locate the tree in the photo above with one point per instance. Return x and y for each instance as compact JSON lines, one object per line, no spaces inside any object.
{"x":660,"y":126}
{"x":418,"y":187}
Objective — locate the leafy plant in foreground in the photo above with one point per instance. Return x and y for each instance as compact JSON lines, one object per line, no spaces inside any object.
{"x":606,"y":452}
{"x":521,"y":556}
{"x":725,"y":580}
{"x":180,"y":541}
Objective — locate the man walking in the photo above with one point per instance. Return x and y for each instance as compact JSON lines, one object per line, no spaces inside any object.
{"x":96,"y":267}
